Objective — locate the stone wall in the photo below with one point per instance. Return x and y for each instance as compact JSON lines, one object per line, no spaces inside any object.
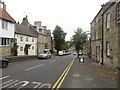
{"x":111,"y":36}
{"x":5,"y":51}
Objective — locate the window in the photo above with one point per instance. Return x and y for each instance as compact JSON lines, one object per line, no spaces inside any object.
{"x":4,"y":24}
{"x":4,"y":41}
{"x":21,"y":38}
{"x":21,"y":48}
{"x":32,"y":39}
{"x":92,"y":35}
{"x":26,"y":39}
{"x":32,"y":47}
{"x":108,"y":48}
{"x":108,"y":21}
{"x":96,"y":34}
{"x":118,"y":12}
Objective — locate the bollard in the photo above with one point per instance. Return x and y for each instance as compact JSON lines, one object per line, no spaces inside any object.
{"x":81,"y":60}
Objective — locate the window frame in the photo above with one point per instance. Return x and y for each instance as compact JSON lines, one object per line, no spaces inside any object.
{"x":108,"y":15}
{"x":26,"y":39}
{"x":118,"y":12}
{"x":32,"y":39}
{"x":32,"y":47}
{"x":21,"y":38}
{"x":4,"y":42}
{"x":4,"y":25}
{"x":107,"y":48}
{"x":21,"y":49}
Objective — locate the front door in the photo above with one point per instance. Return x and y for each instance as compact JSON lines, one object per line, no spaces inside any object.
{"x":98,"y":54}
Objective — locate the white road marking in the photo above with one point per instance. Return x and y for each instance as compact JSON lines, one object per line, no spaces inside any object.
{"x":76,"y":75}
{"x":22,"y":82}
{"x":10,"y":83}
{"x":52,"y":61}
{"x":45,"y":85}
{"x":38,"y":84}
{"x":34,"y":67}
{"x":4,"y":77}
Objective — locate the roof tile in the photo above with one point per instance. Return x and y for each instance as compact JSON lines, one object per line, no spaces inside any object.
{"x":4,"y":15}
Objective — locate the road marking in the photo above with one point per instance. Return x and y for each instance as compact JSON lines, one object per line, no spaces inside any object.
{"x":59,"y":79}
{"x":38,"y":84}
{"x":62,"y":77}
{"x":5,"y":83}
{"x":10,"y":84}
{"x":34,"y":67}
{"x":22,"y":82}
{"x":46,"y":85}
{"x":8,"y":81}
{"x":76,"y":75}
{"x":4,"y":77}
{"x":52,"y":61}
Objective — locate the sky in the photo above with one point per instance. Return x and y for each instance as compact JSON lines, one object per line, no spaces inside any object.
{"x":68,"y":14}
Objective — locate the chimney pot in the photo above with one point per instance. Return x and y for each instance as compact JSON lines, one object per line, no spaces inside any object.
{"x":4,"y":6}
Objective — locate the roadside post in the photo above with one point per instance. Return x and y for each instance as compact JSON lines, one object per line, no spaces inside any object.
{"x":81,"y":60}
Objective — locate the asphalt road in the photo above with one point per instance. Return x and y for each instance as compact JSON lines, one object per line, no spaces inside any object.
{"x":35,"y":73}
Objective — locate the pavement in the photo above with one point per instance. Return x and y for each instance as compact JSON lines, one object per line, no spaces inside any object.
{"x":87,"y":75}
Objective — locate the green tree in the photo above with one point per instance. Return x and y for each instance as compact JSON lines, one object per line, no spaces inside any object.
{"x":66,"y":45}
{"x":79,"y":38}
{"x":59,"y":38}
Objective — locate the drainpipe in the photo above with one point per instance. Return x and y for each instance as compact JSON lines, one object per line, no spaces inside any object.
{"x":102,"y":39}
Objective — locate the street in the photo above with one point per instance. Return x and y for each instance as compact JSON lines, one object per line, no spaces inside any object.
{"x":35,"y":73}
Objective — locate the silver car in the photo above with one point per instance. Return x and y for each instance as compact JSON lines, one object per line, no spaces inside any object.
{"x":44,"y":55}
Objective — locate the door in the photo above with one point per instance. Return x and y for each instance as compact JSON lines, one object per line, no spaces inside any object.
{"x":98,"y":54}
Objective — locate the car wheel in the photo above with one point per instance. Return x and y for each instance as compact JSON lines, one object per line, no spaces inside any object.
{"x":4,"y":64}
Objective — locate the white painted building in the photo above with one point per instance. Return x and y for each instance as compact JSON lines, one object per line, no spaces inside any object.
{"x":7,"y":26}
{"x":26,"y":38}
{"x":23,"y":40}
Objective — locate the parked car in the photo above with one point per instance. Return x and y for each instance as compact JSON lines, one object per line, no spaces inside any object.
{"x":80,"y":53}
{"x":75,"y":53}
{"x":68,"y":53}
{"x":44,"y":55}
{"x":60,"y":53}
{"x":3,"y":62}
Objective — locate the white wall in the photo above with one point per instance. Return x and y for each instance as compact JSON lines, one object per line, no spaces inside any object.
{"x":7,"y":33}
{"x":22,"y":44}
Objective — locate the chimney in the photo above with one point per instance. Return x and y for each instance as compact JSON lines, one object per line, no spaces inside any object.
{"x":4,"y":6}
{"x":25,"y":22}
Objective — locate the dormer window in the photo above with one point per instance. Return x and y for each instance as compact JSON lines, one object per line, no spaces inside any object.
{"x":4,"y":24}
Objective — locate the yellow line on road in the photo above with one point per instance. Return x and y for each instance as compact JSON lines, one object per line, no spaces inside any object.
{"x":59,"y":78}
{"x":62,"y":77}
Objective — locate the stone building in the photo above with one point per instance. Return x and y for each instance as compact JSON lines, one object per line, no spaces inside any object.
{"x":105,"y":29}
{"x":96,"y":37}
{"x":111,"y":18}
{"x":44,"y":37}
{"x":7,"y":24}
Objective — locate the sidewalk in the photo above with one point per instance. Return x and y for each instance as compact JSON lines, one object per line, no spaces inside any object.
{"x":86,"y":76}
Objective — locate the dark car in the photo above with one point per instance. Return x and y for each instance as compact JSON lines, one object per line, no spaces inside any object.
{"x":3,"y":62}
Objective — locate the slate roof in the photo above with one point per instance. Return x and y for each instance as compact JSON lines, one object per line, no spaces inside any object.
{"x":24,"y":30}
{"x":4,"y":15}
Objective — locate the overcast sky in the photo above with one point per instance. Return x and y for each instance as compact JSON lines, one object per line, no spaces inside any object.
{"x":68,"y":14}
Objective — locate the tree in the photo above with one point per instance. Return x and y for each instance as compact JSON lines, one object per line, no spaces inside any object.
{"x":66,"y":45}
{"x":59,"y":38}
{"x":79,"y":38}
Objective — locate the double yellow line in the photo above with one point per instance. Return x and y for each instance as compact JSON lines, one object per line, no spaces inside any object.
{"x":59,"y":82}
